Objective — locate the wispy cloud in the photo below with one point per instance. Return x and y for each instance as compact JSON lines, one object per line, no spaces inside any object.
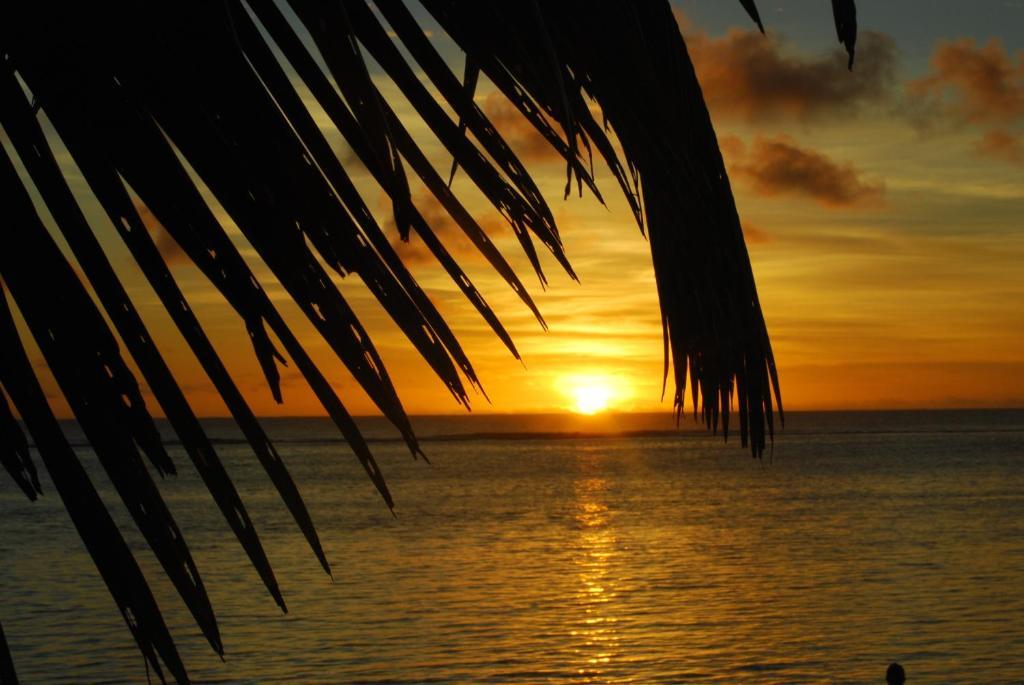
{"x":751,"y":77}
{"x":975,"y":85}
{"x":779,"y":166}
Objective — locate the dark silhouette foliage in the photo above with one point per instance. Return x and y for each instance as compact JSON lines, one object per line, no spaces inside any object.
{"x":150,"y":99}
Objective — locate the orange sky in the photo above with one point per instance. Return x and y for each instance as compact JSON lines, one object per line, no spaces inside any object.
{"x":883,"y":218}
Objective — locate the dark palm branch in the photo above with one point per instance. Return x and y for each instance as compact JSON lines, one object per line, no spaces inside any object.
{"x":151,"y":98}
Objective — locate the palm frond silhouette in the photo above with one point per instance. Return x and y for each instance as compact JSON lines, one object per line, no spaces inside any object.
{"x":153,"y":100}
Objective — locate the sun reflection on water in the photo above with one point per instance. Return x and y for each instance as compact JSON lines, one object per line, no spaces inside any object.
{"x":596,"y":635}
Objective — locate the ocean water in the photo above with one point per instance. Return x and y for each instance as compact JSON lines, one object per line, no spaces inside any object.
{"x":572,"y":550}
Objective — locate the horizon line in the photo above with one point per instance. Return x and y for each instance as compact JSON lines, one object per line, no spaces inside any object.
{"x":688,"y":414}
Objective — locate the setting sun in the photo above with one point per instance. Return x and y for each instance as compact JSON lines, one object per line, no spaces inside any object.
{"x":593,"y":393}
{"x":590,"y":399}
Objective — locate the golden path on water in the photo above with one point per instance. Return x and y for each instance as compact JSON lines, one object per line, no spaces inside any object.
{"x":596,"y":635}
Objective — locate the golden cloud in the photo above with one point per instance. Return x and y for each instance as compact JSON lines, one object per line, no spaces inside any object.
{"x":520,"y":134}
{"x":414,"y":251}
{"x":754,"y":235}
{"x":1001,"y":145}
{"x":165,"y":244}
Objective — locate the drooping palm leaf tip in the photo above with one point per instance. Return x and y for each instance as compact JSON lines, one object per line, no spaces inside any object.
{"x":7,"y":674}
{"x":132,"y":89}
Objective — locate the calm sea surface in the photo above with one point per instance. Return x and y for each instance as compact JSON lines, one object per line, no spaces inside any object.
{"x":574,"y":557}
